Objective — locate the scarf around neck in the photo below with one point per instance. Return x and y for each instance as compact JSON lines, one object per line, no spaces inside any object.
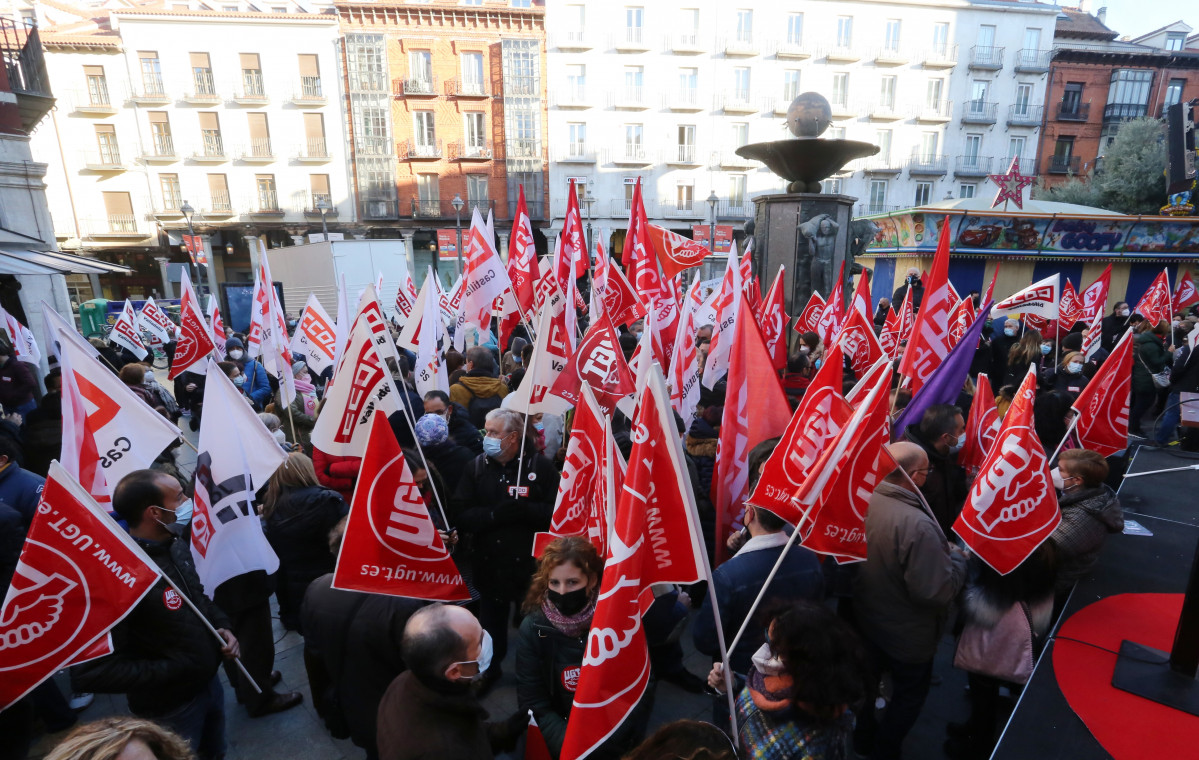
{"x":570,"y":625}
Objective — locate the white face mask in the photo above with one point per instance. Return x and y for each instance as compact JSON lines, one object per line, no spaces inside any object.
{"x":1074,"y":367}
{"x":957,"y":446}
{"x":766,"y":661}
{"x":236,"y":354}
{"x":484,"y":661}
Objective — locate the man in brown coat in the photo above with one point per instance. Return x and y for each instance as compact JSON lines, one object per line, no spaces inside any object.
{"x":429,"y":711}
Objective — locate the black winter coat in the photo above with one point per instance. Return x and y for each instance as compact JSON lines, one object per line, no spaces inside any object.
{"x":450,"y":458}
{"x":298,"y":531}
{"x":163,"y":654}
{"x":946,"y":485}
{"x":502,"y":525}
{"x":1185,"y":376}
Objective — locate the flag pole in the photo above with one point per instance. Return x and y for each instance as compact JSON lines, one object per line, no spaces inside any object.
{"x":406,"y":405}
{"x":213,"y":631}
{"x":724,"y":650}
{"x":1074,"y":418}
{"x":1158,"y":472}
{"x":292,"y":419}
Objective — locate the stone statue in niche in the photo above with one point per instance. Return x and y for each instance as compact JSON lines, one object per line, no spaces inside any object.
{"x":820,"y":235}
{"x":861,"y":234}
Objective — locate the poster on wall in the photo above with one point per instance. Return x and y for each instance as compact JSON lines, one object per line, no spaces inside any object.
{"x":724,"y":236}
{"x":447,"y":244}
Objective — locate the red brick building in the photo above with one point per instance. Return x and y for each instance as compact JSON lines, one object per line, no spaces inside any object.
{"x":445,"y":101}
{"x":1097,"y":83}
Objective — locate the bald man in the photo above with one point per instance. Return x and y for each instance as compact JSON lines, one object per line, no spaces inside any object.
{"x":902,"y":595}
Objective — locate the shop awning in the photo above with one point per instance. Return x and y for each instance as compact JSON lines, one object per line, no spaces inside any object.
{"x":17,"y":261}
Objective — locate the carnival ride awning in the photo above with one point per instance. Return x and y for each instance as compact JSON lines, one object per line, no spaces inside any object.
{"x":19,"y":261}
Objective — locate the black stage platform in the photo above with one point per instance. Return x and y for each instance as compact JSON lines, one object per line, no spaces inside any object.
{"x":1043,"y":726}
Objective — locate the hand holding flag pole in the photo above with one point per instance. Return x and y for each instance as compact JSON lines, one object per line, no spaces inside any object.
{"x":214,"y":632}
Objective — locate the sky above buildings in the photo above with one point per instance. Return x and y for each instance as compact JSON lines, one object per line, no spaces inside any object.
{"x":1133,"y":18}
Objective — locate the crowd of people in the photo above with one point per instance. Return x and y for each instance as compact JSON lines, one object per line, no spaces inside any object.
{"x":836,"y":659}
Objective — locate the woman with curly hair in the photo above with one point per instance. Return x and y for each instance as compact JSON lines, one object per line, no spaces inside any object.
{"x":805,"y":681}
{"x":553,"y":640}
{"x":121,"y":737}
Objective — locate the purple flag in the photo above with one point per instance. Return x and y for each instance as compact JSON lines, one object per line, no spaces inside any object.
{"x":945,"y":384}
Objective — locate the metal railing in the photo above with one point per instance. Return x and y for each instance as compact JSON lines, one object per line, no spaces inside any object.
{"x":373,"y":146}
{"x":259,"y":147}
{"x":122,"y":223}
{"x":685,"y":41}
{"x":737,"y":101}
{"x":152,"y":88}
{"x":984,"y":57}
{"x":870,"y":209}
{"x":842,"y":53}
{"x":310,"y":90}
{"x":1124,"y":111}
{"x":792,"y":49}
{"x":211,"y":144}
{"x":522,"y":147}
{"x":536,"y":208}
{"x":729,"y":158}
{"x":437,"y":208}
{"x":1073,"y":111}
{"x":417,"y":86}
{"x":465,"y":88}
{"x":1028,"y":59}
{"x":571,"y":95}
{"x":974,"y":166}
{"x":939,"y":111}
{"x":685,"y":153}
{"x":740,"y":44}
{"x":220,"y":204}
{"x":315,"y":147}
{"x":203,"y":85}
{"x":683,"y":97}
{"x":577,"y":152}
{"x":574,"y":39}
{"x":940,"y":55}
{"x":162,"y":146}
{"x":630,"y":154}
{"x":928,"y":164}
{"x":979,"y":112}
{"x":883,"y":165}
{"x":1025,"y":114}
{"x":410,"y":149}
{"x":315,"y":204}
{"x":1064,"y":164}
{"x":265,"y":202}
{"x":251,"y":85}
{"x":740,"y":209}
{"x":466,"y":150}
{"x":628,"y":96}
{"x":95,"y":96}
{"x":632,"y":37}
{"x":676,"y":208}
{"x":891,"y":53}
{"x":21,"y":51}
{"x":103,"y":156}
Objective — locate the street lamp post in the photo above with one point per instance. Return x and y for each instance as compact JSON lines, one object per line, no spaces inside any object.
{"x":322,"y":206}
{"x":458,"y":204}
{"x":589,"y":199}
{"x":187,"y":211}
{"x":712,"y":201}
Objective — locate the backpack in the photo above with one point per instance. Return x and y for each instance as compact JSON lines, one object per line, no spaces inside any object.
{"x":479,"y":407}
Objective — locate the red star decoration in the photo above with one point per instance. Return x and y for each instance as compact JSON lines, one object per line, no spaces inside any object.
{"x":1011,"y":185}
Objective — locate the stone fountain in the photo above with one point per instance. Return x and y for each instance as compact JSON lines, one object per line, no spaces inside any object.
{"x":808,"y":231}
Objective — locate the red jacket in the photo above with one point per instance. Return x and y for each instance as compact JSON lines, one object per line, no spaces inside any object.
{"x":338,"y":473}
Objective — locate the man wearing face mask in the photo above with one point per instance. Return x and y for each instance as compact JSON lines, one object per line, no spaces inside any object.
{"x":165,"y":659}
{"x":430,"y":710}
{"x":462,"y":430}
{"x":254,"y":383}
{"x":941,"y":432}
{"x":902,"y":594}
{"x":1006,"y":335}
{"x":506,"y":496}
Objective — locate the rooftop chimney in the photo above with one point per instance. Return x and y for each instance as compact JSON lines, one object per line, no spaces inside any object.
{"x":1101,"y":14}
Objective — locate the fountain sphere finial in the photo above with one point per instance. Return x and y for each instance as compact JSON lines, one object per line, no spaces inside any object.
{"x":809,"y":115}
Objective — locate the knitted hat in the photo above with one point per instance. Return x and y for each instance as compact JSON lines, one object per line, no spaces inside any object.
{"x":298,"y":367}
{"x":432,"y":429}
{"x":233,"y":343}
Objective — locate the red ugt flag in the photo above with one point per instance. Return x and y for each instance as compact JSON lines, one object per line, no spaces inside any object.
{"x":675,"y":252}
{"x":929,"y":343}
{"x":981,"y":427}
{"x":654,"y":539}
{"x":1012,"y":507}
{"x":390,"y":545}
{"x":809,"y":319}
{"x":522,"y":257}
{"x":600,"y":363}
{"x":773,"y":321}
{"x":1070,"y":309}
{"x":78,"y":576}
{"x":1103,"y":405}
{"x":195,"y":342}
{"x":1155,"y":304}
{"x":1184,"y":292}
{"x":1094,"y":298}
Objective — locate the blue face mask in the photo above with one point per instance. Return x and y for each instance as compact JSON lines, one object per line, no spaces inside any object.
{"x":539,"y":427}
{"x":1045,"y":350}
{"x":1009,"y":331}
{"x":492,"y":447}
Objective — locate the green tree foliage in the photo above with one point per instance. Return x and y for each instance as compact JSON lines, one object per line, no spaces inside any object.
{"x":1130,"y":178}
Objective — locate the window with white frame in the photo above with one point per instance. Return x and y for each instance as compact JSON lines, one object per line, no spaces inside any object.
{"x":632,"y":23}
{"x":684,"y":198}
{"x":577,"y":146}
{"x":928,"y":146}
{"x":844,"y":31}
{"x":689,"y":84}
{"x":924,"y":191}
{"x":576,"y":80}
{"x":476,"y":190}
{"x":472,"y":73}
{"x":630,"y":187}
{"x":1023,"y":104}
{"x":941,"y":38}
{"x":736,"y":189}
{"x":686,"y":143}
{"x":891,"y":36}
{"x":688,"y":32}
{"x":745,"y":25}
{"x":882,"y":139}
{"x":966,"y":190}
{"x":933,"y":92}
{"x":840,"y":89}
{"x":878,"y":196}
{"x":420,"y":67}
{"x":794,"y":28}
{"x":474,"y":131}
{"x":633,"y":77}
{"x":633,"y":145}
{"x":738,"y":134}
{"x":974,"y":144}
{"x":790,"y":84}
{"x":423,"y":129}
{"x":886,"y":91}
{"x":741,"y":84}
{"x":1015,"y":149}
{"x":832,"y":186}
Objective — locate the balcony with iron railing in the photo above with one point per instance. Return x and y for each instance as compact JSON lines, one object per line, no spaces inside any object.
{"x":737,"y":101}
{"x":779,"y":105}
{"x":891,"y":55}
{"x":151,"y":91}
{"x":1073,"y":111}
{"x":471,"y":150}
{"x":734,"y":209}
{"x":536,"y":208}
{"x":1117,"y":112}
{"x":1064,"y":164}
{"x":685,"y":154}
{"x":683,"y":99}
{"x":25,"y":65}
{"x":570,"y":96}
{"x":792,"y":50}
{"x":103,"y":158}
{"x":682,"y":208}
{"x":629,"y":154}
{"x":257,"y":151}
{"x":219,"y":206}
{"x":264,"y":203}
{"x":203,"y":91}
{"x":522,"y":147}
{"x":986,"y":58}
{"x":728,"y":159}
{"x":927,"y":164}
{"x":94,"y":101}
{"x":211,"y":149}
{"x":882,"y":110}
{"x":619,"y":208}
{"x":979,"y":112}
{"x":466,"y":88}
{"x":313,"y":208}
{"x":972,"y":166}
{"x":416,"y":87}
{"x":314,"y":150}
{"x":436,"y":208}
{"x":740,"y":45}
{"x":940,"y":57}
{"x":842,"y":54}
{"x":632,"y":40}
{"x":873,"y":209}
{"x":309,"y":93}
{"x":842,"y":108}
{"x":934,"y":113}
{"x":684,"y":43}
{"x":170,"y":208}
{"x":366,"y":145}
{"x":160,"y":150}
{"x":883,"y":164}
{"x":250,"y":90}
{"x":574,"y":39}
{"x":113,"y":227}
{"x":1024,"y":115}
{"x":628,"y":97}
{"x":376,"y":208}
{"x":412,"y":150}
{"x":575,"y":153}
{"x":1029,"y":61}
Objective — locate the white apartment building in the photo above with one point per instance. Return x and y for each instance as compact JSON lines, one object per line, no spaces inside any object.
{"x":234,"y":113}
{"x":949,"y":89}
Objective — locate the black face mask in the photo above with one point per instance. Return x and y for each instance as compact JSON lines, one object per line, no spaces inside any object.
{"x":570,"y":603}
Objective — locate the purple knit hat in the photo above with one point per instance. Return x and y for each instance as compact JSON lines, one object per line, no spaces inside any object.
{"x":432,"y":429}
